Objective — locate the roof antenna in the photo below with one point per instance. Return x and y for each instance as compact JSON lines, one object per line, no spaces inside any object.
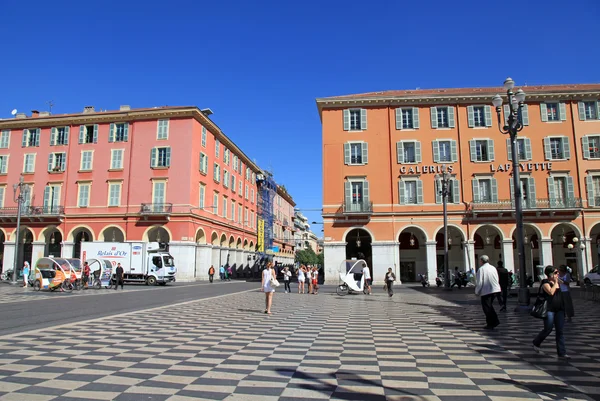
{"x":50,"y":104}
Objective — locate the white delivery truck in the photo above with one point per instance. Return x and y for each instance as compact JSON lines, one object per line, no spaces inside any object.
{"x":142,"y":262}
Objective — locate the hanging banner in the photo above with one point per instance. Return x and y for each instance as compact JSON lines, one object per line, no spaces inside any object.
{"x":261,"y":236}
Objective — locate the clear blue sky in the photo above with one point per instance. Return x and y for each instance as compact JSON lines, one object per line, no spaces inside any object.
{"x":259,"y":65}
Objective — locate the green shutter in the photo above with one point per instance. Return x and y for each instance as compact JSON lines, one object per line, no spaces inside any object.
{"x":38,"y":134}
{"x":570,"y":191}
{"x":475,"y":184}
{"x":419,"y":192}
{"x":566,"y":147}
{"x":490,"y":149}
{"x":25,"y":137}
{"x":455,"y":191}
{"x":366,"y":195}
{"x":473,"y":149}
{"x":47,"y":202}
{"x":168,"y":158}
{"x":365,"y":153}
{"x":589,"y":186}
{"x":551,"y":191}
{"x":4,"y":165}
{"x":544,"y":111}
{"x":488,"y":116}
{"x":418,"y":152}
{"x":528,"y":155}
{"x":398,"y":118}
{"x":581,"y":110}
{"x":153,"y":157}
{"x":451,"y":122}
{"x":126,"y":133}
{"x":508,"y":149}
{"x":454,"y":151}
{"x":598,"y":110}
{"x":67,"y":132}
{"x":415,"y":116}
{"x":438,"y":192}
{"x":531,"y":196}
{"x":525,"y":115}
{"x":436,"y":151}
{"x":494,"y":188}
{"x":50,"y":161}
{"x":562,"y":111}
{"x":348,"y":193}
{"x":585,"y":146}
{"x":63,"y":163}
{"x":506,"y":113}
{"x":400,"y":152}
{"x":434,"y":120}
{"x":95,"y":133}
{"x":346,"y":153}
{"x":81,"y":134}
{"x":53,"y":136}
{"x":547,"y":149}
{"x":363,"y":119}
{"x":401,"y":193}
{"x":346,"y":114}
{"x":470,"y":116}
{"x":512,"y":190}
{"x":111,"y":135}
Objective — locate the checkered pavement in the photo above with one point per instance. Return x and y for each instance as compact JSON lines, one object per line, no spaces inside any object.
{"x":414,"y":346}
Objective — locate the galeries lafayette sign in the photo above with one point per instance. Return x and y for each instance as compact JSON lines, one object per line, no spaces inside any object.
{"x":425,"y":169}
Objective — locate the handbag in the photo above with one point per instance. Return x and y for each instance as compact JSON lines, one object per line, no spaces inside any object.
{"x":274,"y":282}
{"x":540,"y":307}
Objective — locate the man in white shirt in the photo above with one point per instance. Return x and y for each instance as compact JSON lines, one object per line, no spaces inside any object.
{"x":367,"y":275}
{"x":487,"y":287}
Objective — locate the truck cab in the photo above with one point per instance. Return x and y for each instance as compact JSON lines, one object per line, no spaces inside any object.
{"x":161,"y":265}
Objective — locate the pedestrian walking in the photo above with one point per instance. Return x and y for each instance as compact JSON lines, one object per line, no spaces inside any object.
{"x":222,"y":272}
{"x":25,"y":273}
{"x":85,"y":275}
{"x":266,"y":286}
{"x":487,"y":287}
{"x":503,"y":280}
{"x":301,"y":278}
{"x":390,"y":277}
{"x":229,"y":273}
{"x":287,"y":274}
{"x":119,"y":276}
{"x":367,"y":275}
{"x":211,"y":273}
{"x":457,"y":279}
{"x":309,"y":279}
{"x":565,"y":278}
{"x":315,"y":280}
{"x":555,"y":317}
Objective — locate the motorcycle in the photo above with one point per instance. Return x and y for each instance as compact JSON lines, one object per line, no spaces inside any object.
{"x":423,"y":279}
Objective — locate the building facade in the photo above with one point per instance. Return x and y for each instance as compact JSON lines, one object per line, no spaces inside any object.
{"x":283,"y":228}
{"x":304,"y":237}
{"x":165,"y":174}
{"x":381,"y":199}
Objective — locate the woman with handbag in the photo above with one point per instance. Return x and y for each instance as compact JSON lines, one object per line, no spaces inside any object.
{"x":554,"y":314}
{"x":267,"y":285}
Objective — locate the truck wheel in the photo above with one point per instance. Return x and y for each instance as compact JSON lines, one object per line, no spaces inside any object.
{"x":151,"y":280}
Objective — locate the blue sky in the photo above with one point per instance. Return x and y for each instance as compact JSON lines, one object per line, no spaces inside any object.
{"x":259,"y":65}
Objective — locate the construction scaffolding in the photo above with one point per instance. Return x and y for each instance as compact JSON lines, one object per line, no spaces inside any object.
{"x":267,"y":189}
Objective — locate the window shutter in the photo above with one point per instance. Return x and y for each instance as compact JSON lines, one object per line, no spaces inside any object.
{"x":67,"y":132}
{"x":488,"y":116}
{"x":470,"y":116}
{"x":418,"y":151}
{"x":436,"y":151}
{"x":398,"y":118}
{"x":475,"y":184}
{"x":506,"y":113}
{"x":570,"y":190}
{"x":50,"y":161}
{"x":365,"y":153}
{"x":531,"y":196}
{"x":455,"y":191}
{"x":363,"y":119}
{"x":451,"y":116}
{"x":401,"y":196}
{"x":25,"y":135}
{"x":434,"y":117}
{"x":348,"y":193}
{"x":562,"y":110}
{"x":473,"y":149}
{"x":168,"y":158}
{"x":95,"y":133}
{"x":453,"y":150}
{"x":365,"y":192}
{"x":53,"y":136}
{"x":3,"y":164}
{"x":581,"y":109}
{"x":400,"y":152}
{"x":153,"y":157}
{"x":126,"y":133}
{"x":547,"y":149}
{"x":346,"y":153}
{"x":512,"y":190}
{"x":415,"y":116}
{"x":585,"y":146}
{"x":346,"y":120}
{"x":63,"y":162}
{"x":47,"y":202}
{"x":589,"y":185}
{"x":491,"y":151}
{"x":81,"y":134}
{"x":494,"y":186}
{"x":598,"y":109}
{"x":38,"y":134}
{"x":528,"y":155}
{"x":544,"y":111}
{"x":525,"y":115}
{"x":551,"y":193}
{"x":508,"y":149}
{"x":111,"y":134}
{"x":438,"y":192}
{"x":419,"y":192}
{"x":566,"y":147}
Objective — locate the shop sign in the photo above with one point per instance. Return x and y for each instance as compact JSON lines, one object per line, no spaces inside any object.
{"x":425,"y":169}
{"x":547,"y":166}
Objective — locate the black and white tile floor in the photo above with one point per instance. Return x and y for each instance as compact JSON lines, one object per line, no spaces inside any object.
{"x":414,"y":346}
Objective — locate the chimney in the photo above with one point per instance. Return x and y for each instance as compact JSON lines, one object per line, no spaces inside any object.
{"x":20,"y":115}
{"x":88,"y":109}
{"x":124,"y":107}
{"x":35,"y":113}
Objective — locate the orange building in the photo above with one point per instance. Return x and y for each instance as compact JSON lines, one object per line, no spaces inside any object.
{"x":381,"y":201}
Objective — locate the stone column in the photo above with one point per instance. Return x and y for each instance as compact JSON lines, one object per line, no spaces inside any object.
{"x":67,"y":249}
{"x":335,"y":253}
{"x":203,"y":262}
{"x":385,"y":255}
{"x":9,"y":256}
{"x":37,"y":251}
{"x":546,"y":252}
{"x":214,"y":259}
{"x":431,"y":251}
{"x":588,"y":262}
{"x":223,"y":257}
{"x":508,"y":252}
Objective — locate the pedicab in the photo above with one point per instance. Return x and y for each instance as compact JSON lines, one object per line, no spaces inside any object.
{"x":348,"y":282}
{"x":52,"y":274}
{"x":76,"y":272}
{"x":101,"y":272}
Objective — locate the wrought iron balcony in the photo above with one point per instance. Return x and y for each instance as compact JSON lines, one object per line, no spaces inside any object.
{"x":364,"y":207}
{"x":156,"y":209}
{"x":33,"y":212}
{"x":528,"y":204}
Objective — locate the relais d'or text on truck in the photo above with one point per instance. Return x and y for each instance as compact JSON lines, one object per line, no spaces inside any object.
{"x":142,"y":262}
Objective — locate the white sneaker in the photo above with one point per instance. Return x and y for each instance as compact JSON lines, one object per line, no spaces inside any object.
{"x":536,"y":349}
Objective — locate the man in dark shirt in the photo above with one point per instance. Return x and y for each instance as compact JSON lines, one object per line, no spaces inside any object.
{"x":119,"y":276}
{"x":503,"y":280}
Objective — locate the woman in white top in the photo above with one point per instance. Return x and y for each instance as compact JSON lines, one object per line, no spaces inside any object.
{"x":301,"y":280}
{"x":266,"y":286}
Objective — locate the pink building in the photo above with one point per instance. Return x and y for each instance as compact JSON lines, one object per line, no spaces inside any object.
{"x":165,"y":174}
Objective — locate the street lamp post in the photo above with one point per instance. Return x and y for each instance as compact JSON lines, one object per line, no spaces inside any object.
{"x":20,"y":192}
{"x":443,"y":181}
{"x":514,"y":124}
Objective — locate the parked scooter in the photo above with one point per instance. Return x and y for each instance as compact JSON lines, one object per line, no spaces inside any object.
{"x":423,"y":279}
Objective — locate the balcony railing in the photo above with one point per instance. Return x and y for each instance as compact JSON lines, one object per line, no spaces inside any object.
{"x":365,"y":207}
{"x":156,"y":209}
{"x":533,"y":204}
{"x":33,"y":211}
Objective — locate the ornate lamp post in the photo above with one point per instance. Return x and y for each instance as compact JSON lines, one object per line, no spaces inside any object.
{"x":21,"y":190}
{"x":514,"y":124}
{"x":443,"y":181}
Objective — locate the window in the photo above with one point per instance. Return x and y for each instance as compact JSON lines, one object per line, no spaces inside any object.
{"x":215,"y":204}
{"x":252,"y":195}
{"x":241,"y":184}
{"x":217,"y":148}
{"x":247,"y":173}
{"x":591,"y":146}
{"x":3,"y":164}
{"x":31,"y":137}
{"x":356,"y":194}
{"x":51,"y":199}
{"x":552,"y":112}
{"x":203,"y":163}
{"x":116,"y":159}
{"x":29,"y":163}
{"x":162,"y":129}
{"x":224,"y":207}
{"x":444,"y":151}
{"x":592,"y":183}
{"x":485,"y":190}
{"x":523,"y":147}
{"x":479,"y":116}
{"x":356,"y":153}
{"x":59,"y":136}
{"x":235,"y":163}
{"x":2,"y":192}
{"x":226,"y":155}
{"x":246,"y":192}
{"x":232,"y":216}
{"x":233,"y":182}
{"x":589,"y":110}
{"x":86,"y":160}
{"x":217,"y":173}
{"x":202,"y":194}
{"x":239,"y":220}
{"x":557,"y":148}
{"x":524,"y":114}
{"x":119,"y":132}
{"x":408,"y":152}
{"x":57,"y":162}
{"x":407,"y":118}
{"x":442,"y":117}
{"x":410,"y":192}
{"x":226,"y":178}
{"x":5,"y":139}
{"x":88,"y":133}
{"x":203,"y":140}
{"x":528,"y":192}
{"x":560,"y":190}
{"x":482,"y":150}
{"x":84,"y":195}
{"x":453,"y":191}
{"x":159,"y":193}
{"x":355,"y":119}
{"x":160,"y":157}
{"x":114,"y":194}
{"x":253,"y":178}
{"x":246,"y":217}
